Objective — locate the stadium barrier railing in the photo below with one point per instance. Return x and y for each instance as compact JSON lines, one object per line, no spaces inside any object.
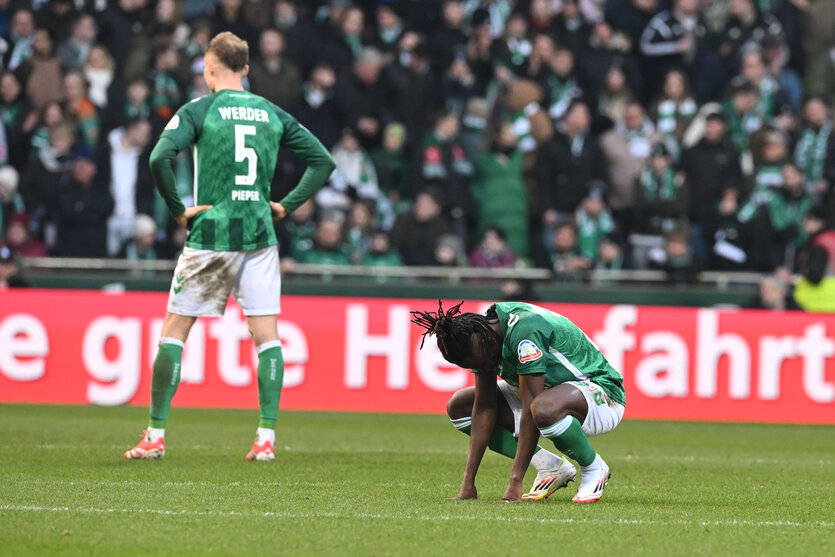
{"x":720,"y":280}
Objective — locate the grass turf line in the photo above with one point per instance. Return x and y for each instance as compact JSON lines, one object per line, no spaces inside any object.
{"x":370,"y":484}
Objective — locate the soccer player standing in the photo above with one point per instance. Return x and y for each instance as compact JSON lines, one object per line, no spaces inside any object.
{"x":566,"y":390}
{"x":235,"y":137}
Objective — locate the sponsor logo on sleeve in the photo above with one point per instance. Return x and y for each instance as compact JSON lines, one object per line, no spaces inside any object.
{"x":528,"y":352}
{"x":173,"y":123}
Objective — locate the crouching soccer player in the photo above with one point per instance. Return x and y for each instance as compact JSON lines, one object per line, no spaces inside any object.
{"x":557,"y":384}
{"x":231,"y":246}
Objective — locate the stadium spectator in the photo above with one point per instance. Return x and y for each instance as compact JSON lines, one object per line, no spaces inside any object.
{"x":121,"y":28}
{"x":773,"y":295}
{"x":11,"y":202}
{"x":73,"y":51}
{"x":594,"y":221}
{"x":328,"y":246}
{"x":449,"y":251}
{"x":714,"y":179}
{"x":56,"y":16}
{"x":815,"y":150}
{"x":81,"y":108}
{"x":563,"y":254}
{"x":670,"y":41}
{"x":557,"y":77}
{"x":83,"y":207}
{"x":662,"y":196}
{"x":362,"y":94}
{"x":390,"y":28}
{"x":358,"y":231}
{"x":606,"y":48}
{"x":566,"y":163}
{"x":42,"y":176}
{"x":675,"y":108}
{"x":143,"y":245}
{"x":609,"y":254}
{"x":816,"y":263}
{"x":354,"y":178}
{"x":742,"y":116}
{"x":570,"y":27}
{"x":18,"y":120}
{"x":166,"y":91}
{"x":229,"y":16}
{"x":514,"y":48}
{"x":493,"y":251}
{"x":392,"y":165}
{"x":626,"y":147}
{"x":415,"y":234}
{"x":123,"y":163}
{"x":41,"y":72}
{"x":317,"y":109}
{"x":445,"y":166}
{"x":380,"y":252}
{"x":99,"y":73}
{"x":11,"y":272}
{"x":20,"y":38}
{"x":131,"y":102}
{"x":675,"y":258}
{"x":412,"y":88}
{"x":615,"y":94}
{"x":271,"y":74}
{"x":500,"y":191}
{"x":19,"y":239}
{"x":449,"y":37}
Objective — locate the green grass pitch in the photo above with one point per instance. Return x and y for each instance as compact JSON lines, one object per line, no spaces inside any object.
{"x":371,"y":484}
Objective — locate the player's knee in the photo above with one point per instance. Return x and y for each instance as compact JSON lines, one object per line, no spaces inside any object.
{"x":544,"y":412}
{"x":459,"y":406}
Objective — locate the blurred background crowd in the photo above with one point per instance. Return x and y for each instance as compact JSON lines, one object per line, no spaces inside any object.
{"x":681,"y":135}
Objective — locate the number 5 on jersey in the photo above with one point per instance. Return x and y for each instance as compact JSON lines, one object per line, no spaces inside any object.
{"x":244,"y":153}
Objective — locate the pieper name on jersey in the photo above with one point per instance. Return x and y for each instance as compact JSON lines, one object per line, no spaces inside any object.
{"x":245,"y":195}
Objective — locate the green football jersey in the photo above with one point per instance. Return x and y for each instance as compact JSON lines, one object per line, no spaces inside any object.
{"x":540,"y":341}
{"x":235,"y":137}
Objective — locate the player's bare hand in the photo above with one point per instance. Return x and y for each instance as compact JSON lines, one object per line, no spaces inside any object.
{"x":190,"y":213}
{"x":513,"y":492}
{"x":279,"y":212}
{"x":468,"y":491}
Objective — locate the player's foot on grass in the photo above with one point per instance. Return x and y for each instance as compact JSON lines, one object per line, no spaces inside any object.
{"x":593,"y":482}
{"x":146,"y":449}
{"x":264,"y":451}
{"x":548,"y":481}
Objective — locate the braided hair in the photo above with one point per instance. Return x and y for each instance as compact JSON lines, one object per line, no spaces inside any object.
{"x":454,"y":330}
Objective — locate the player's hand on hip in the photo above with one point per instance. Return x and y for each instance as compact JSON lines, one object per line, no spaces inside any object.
{"x":279,"y":212}
{"x":190,"y":213}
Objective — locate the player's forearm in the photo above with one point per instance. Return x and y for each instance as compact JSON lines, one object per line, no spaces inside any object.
{"x":320,"y":165}
{"x":484,"y":420}
{"x":161,"y":157}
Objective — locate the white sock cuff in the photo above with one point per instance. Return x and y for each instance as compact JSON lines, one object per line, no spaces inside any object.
{"x":461,"y":423}
{"x":558,"y":428}
{"x":174,"y":341}
{"x":268,"y":345}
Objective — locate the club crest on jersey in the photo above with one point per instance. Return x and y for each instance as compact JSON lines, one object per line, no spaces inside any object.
{"x":528,"y":352}
{"x":173,"y":123}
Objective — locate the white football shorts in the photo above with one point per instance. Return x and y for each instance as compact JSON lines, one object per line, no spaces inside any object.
{"x":204,"y":279}
{"x":603,"y":415}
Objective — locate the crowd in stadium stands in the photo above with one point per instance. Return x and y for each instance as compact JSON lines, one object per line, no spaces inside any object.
{"x":680,"y":135}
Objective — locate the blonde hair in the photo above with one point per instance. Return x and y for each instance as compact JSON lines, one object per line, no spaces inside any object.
{"x":231,"y":50}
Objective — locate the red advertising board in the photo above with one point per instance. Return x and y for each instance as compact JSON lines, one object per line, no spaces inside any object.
{"x":362,"y":354}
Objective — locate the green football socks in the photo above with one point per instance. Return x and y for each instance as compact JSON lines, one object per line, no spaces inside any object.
{"x":501,"y":440}
{"x":569,"y":438}
{"x":165,"y":380}
{"x":270,"y":379}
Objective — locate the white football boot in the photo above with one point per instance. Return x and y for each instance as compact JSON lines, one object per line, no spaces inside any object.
{"x":593,"y":482}
{"x":548,"y":481}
